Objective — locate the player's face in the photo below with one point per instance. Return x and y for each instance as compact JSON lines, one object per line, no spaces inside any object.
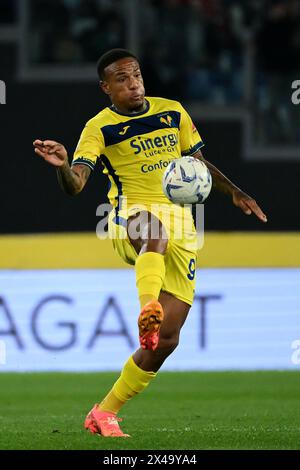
{"x":124,"y":85}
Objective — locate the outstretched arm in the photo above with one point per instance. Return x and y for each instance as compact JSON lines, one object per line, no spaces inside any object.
{"x":71,"y":179}
{"x":239,"y":198}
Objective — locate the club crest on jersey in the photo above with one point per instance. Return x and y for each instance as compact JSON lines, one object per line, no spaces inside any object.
{"x":166,"y":120}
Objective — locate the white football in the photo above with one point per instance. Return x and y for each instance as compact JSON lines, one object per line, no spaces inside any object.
{"x":187,"y":180}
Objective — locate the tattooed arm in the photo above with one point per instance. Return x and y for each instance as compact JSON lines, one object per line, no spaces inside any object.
{"x":71,"y":179}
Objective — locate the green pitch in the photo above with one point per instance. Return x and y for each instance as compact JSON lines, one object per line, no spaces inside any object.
{"x":226,"y":410}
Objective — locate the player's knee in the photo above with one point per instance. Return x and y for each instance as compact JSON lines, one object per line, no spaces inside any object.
{"x":168,"y":344}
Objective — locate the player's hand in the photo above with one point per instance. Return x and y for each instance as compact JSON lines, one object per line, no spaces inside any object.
{"x":247,"y":204}
{"x":51,"y":151}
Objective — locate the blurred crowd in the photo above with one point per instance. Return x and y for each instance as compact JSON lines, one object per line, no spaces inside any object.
{"x":189,"y":49}
{"x":277,"y":46}
{"x":8,"y":12}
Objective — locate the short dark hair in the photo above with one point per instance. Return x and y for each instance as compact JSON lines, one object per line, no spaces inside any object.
{"x":112,"y":56}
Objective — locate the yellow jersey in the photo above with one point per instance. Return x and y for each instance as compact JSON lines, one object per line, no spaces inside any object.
{"x":135,"y":149}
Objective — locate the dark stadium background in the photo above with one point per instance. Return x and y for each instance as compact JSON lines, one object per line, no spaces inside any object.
{"x":30,"y":198}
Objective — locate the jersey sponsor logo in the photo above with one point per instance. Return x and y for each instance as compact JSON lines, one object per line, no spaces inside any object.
{"x":155,"y":166}
{"x":164,"y":142}
{"x":124,"y":130}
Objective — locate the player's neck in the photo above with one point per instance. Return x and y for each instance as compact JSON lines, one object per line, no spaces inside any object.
{"x":123,"y":110}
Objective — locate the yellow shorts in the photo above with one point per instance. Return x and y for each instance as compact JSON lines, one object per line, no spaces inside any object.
{"x":181,"y":255}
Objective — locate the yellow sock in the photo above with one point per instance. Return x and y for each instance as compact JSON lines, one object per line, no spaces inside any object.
{"x":150,"y":273}
{"x":144,"y":299}
{"x":132,"y":381}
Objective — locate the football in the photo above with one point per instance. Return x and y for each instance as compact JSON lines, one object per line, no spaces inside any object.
{"x":187,"y":180}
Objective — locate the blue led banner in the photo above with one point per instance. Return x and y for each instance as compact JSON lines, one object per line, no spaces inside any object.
{"x":85,"y":320}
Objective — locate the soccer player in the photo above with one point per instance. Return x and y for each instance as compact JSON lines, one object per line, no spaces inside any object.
{"x":135,"y":139}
